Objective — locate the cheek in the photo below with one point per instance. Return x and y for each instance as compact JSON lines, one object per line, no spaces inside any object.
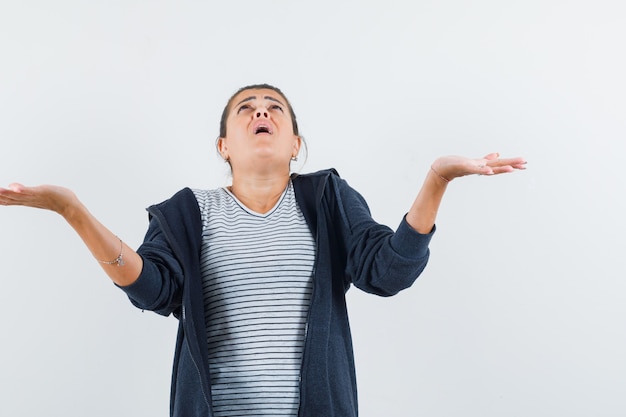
{"x":236,"y":127}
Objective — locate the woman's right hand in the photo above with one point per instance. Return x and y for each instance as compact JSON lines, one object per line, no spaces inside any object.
{"x":50,"y":197}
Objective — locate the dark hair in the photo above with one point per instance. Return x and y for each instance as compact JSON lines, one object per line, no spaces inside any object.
{"x":226,"y":111}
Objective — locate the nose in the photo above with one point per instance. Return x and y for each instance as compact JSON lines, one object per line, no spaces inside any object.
{"x":261,"y":112}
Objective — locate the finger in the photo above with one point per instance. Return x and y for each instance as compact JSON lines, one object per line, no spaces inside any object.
{"x":485,"y":170}
{"x":509,"y":161}
{"x":486,"y":162}
{"x":17,"y":187}
{"x":514,"y":162}
{"x":9,"y":198}
{"x":482,"y":167}
{"x":492,"y":156}
{"x":493,"y":167}
{"x":502,"y":170}
{"x":15,"y":194}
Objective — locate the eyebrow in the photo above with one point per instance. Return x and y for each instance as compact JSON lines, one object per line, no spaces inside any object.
{"x":254,"y":98}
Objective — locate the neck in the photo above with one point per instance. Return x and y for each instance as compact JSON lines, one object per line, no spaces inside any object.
{"x":259,"y":193}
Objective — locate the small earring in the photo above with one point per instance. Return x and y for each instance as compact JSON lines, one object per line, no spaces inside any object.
{"x":294,"y":158}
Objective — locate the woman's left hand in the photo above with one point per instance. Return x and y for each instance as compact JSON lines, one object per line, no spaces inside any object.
{"x":450,"y":167}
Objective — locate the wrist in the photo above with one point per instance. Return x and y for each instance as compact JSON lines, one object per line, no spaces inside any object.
{"x":440,"y":177}
{"x":73,"y":211}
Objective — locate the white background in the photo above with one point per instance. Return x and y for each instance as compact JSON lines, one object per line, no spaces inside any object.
{"x":521,"y":309}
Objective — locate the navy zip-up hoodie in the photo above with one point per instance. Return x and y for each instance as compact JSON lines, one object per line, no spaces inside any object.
{"x":351,"y":248}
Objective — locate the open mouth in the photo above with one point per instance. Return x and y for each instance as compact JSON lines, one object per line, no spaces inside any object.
{"x":262,"y":128}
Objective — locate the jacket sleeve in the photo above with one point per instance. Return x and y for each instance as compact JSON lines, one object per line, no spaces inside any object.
{"x":159,"y":286}
{"x":379,"y":260}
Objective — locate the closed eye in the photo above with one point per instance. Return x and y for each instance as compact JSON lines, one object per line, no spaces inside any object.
{"x":276,"y":107}
{"x":244,"y":107}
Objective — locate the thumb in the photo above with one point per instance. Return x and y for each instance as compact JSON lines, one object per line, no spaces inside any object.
{"x":491,"y":156}
{"x":16,"y":187}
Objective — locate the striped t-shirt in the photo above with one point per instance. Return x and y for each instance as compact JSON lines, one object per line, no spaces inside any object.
{"x":257,"y":284}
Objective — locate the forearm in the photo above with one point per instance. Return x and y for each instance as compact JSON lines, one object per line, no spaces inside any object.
{"x":104,"y":245}
{"x":423,"y":212}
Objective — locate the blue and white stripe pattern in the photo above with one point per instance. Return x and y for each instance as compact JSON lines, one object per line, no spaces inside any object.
{"x":257,"y":283}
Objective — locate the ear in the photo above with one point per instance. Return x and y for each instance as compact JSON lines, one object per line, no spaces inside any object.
{"x":296,"y":146}
{"x":222,"y":148}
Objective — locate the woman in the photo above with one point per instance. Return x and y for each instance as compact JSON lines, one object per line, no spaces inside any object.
{"x":256,"y":272}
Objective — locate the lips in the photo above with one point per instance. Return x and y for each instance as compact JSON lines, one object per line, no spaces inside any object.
{"x":262,"y":127}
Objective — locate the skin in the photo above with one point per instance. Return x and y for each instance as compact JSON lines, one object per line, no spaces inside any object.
{"x":259,"y":162}
{"x":260,"y":168}
{"x":423,"y":212}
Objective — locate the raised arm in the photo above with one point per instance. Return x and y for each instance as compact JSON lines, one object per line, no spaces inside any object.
{"x":424,"y":210}
{"x":122,"y":264}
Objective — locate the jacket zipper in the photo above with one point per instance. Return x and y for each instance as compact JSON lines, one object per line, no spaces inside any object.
{"x":306,"y":334}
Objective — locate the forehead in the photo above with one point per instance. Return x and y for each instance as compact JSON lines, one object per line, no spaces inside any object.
{"x":257,"y":94}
